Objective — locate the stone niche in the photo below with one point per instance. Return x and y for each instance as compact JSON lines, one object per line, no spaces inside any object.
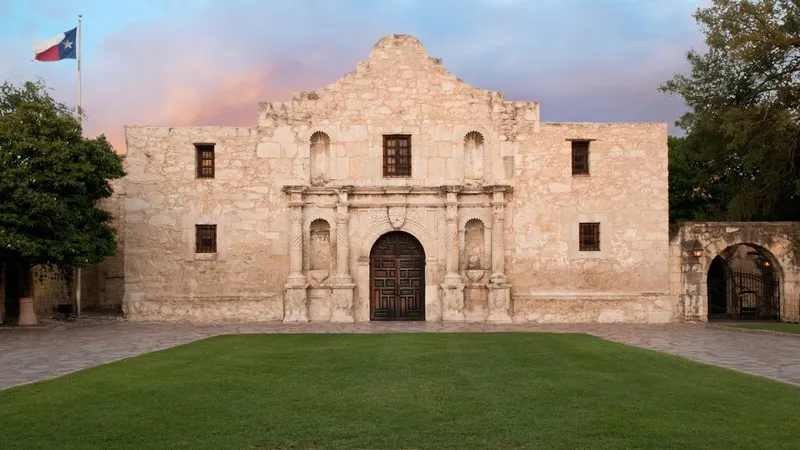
{"x":474,"y":265}
{"x":473,"y":158}
{"x":319,"y":264}
{"x":320,"y":153}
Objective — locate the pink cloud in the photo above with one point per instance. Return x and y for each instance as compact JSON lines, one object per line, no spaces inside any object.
{"x":164,"y":78}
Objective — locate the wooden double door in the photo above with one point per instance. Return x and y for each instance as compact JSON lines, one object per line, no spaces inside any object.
{"x":397,"y":278}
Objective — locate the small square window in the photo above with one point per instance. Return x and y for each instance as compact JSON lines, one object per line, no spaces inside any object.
{"x":397,"y":155}
{"x":580,"y":157}
{"x":205,"y":160}
{"x":205,"y":238}
{"x":589,"y":236}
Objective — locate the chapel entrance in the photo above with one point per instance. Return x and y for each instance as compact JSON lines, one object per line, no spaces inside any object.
{"x":397,"y":278}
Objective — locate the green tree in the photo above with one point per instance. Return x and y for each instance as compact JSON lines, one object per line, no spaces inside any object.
{"x":51,"y":178}
{"x":743,"y":123}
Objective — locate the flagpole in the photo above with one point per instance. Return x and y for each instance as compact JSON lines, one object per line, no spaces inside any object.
{"x":80,"y":118}
{"x":80,"y":110}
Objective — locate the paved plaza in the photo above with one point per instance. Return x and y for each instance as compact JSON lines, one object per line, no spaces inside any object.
{"x":39,"y":353}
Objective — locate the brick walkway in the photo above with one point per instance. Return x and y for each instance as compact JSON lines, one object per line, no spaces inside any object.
{"x":28,"y":355}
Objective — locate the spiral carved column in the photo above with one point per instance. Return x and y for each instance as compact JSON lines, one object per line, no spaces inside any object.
{"x":499,"y":288}
{"x":453,"y":286}
{"x":295,"y":302}
{"x":342,"y":292}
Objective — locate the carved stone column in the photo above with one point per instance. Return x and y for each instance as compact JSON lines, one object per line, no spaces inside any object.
{"x":453,"y":286}
{"x":295,"y":302}
{"x":499,"y":287}
{"x":342,"y":293}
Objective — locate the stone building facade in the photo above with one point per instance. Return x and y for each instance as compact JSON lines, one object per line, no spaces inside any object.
{"x":398,"y":192}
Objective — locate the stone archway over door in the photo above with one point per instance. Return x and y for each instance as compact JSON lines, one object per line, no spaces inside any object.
{"x":743,"y":283}
{"x":397,"y":278}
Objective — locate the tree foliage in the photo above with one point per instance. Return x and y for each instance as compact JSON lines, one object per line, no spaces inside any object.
{"x":742,"y":148}
{"x":51,"y":178}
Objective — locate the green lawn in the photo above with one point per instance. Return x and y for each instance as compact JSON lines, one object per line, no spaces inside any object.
{"x":402,"y":391}
{"x":793,"y":328}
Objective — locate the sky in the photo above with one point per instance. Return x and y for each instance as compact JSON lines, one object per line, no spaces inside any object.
{"x":209,"y":62}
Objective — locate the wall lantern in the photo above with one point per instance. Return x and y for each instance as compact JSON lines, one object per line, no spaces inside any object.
{"x":766,"y":263}
{"x":697,"y":251}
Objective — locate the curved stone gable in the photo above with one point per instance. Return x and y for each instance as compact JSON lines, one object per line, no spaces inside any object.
{"x":396,"y":79}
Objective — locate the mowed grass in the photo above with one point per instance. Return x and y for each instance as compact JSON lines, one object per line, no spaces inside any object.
{"x":402,"y":391}
{"x":793,"y":328}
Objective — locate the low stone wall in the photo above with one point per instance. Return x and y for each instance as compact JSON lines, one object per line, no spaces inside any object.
{"x":52,"y":285}
{"x":594,"y":308}
{"x":242,"y":308}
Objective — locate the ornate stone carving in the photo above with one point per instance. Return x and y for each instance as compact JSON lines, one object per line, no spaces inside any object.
{"x":376,"y":216}
{"x":499,"y":303}
{"x":397,"y":216}
{"x":296,"y":214}
{"x":319,"y":275}
{"x":296,"y":244}
{"x":475,"y":275}
{"x":342,"y":241}
{"x":342,"y":303}
{"x":451,"y":215}
{"x":498,"y":244}
{"x":296,"y":304}
{"x":453,"y":299}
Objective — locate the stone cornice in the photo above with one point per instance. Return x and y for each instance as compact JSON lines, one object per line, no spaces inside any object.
{"x":396,"y":190}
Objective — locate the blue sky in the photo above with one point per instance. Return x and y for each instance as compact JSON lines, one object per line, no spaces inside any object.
{"x":178,"y":62}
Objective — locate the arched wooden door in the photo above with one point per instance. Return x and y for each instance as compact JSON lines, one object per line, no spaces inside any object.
{"x":397,"y":278}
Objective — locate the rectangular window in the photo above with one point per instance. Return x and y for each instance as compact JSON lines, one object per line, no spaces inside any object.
{"x":589,"y":237}
{"x":205,"y":238}
{"x":580,"y":157}
{"x":205,"y":160}
{"x":397,"y":155}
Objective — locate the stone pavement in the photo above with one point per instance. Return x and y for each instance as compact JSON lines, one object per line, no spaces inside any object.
{"x":28,"y":355}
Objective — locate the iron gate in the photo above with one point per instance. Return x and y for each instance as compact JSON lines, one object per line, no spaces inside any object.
{"x":744,"y":295}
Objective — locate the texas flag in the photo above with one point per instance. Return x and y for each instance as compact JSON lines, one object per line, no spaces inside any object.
{"x":58,"y":47}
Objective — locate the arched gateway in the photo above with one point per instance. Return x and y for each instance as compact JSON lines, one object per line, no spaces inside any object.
{"x":397,"y":278}
{"x":744,"y":283}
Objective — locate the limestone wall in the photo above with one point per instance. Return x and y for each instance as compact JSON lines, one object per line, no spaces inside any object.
{"x":626,"y":191}
{"x":479,"y":165}
{"x":164,"y":278}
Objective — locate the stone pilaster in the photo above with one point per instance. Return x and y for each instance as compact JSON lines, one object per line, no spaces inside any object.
{"x":295,"y":302}
{"x":342,"y":294}
{"x":499,"y":287}
{"x":453,"y":285}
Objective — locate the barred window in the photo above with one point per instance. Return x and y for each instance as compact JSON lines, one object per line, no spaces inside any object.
{"x":589,"y":237}
{"x":205,"y":160}
{"x":397,"y":155}
{"x":580,"y":157}
{"x":205,"y":238}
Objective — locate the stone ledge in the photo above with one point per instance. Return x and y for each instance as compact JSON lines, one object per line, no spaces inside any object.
{"x":589,"y":295}
{"x":225,"y":298}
